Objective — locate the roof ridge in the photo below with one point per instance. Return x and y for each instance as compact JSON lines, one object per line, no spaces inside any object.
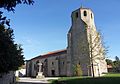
{"x":55,"y":51}
{"x":50,"y":53}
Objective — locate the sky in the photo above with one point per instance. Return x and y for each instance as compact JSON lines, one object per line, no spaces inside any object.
{"x":43,"y":27}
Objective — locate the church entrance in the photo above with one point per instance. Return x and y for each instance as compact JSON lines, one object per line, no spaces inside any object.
{"x":53,"y":72}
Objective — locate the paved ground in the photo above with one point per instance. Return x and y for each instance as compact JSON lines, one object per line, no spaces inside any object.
{"x":34,"y":80}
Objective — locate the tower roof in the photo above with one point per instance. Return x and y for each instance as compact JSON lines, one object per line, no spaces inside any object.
{"x":82,"y":8}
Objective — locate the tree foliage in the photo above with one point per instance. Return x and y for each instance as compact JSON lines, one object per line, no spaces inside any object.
{"x":4,"y":20}
{"x":77,"y":70}
{"x":10,"y":53}
{"x":109,"y":62}
{"x":11,"y":4}
{"x":97,"y":48}
{"x":117,"y":58}
{"x":115,"y":64}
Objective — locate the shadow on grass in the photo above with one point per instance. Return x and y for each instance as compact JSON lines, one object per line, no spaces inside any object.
{"x":101,"y":80}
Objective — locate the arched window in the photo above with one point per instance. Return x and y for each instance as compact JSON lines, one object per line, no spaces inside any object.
{"x":91,"y":15}
{"x":76,"y":14}
{"x":37,"y":61}
{"x":52,"y":63}
{"x":85,"y":13}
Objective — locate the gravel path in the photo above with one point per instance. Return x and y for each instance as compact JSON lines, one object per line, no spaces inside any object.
{"x":34,"y":80}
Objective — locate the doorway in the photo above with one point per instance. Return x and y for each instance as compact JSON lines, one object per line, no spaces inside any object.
{"x":53,"y":72}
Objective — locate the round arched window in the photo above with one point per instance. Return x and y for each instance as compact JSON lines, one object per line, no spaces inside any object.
{"x":91,"y":15}
{"x":85,"y":13}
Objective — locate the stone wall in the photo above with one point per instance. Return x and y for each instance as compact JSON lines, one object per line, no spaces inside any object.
{"x":7,"y":78}
{"x":53,"y":65}
{"x":79,"y":44}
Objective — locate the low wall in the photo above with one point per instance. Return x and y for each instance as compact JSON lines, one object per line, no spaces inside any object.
{"x":8,"y":78}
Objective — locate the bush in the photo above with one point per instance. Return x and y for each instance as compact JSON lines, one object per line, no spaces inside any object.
{"x":78,"y":70}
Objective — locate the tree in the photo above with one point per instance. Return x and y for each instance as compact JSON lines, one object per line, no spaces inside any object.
{"x":11,"y":4}
{"x":116,"y":64}
{"x":109,"y":62}
{"x":97,"y":48}
{"x":78,"y":70}
{"x":10,"y":53}
{"x":117,"y":58}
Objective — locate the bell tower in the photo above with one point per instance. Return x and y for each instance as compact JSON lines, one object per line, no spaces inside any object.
{"x":78,"y":41}
{"x":84,"y":14}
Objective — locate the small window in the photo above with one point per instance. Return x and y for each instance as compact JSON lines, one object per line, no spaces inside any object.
{"x":52,"y":63}
{"x":63,"y":63}
{"x":85,"y":13}
{"x":76,"y":14}
{"x":37,"y":61}
{"x":91,"y":15}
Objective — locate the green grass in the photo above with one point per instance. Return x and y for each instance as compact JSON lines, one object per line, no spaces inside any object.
{"x":108,"y":78}
{"x":112,"y":75}
{"x":17,"y":78}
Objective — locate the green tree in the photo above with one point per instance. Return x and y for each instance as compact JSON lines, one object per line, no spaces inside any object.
{"x":116,"y":64}
{"x":117,"y":58}
{"x":11,"y":4}
{"x":10,"y":53}
{"x":109,"y":62}
{"x":78,"y":70}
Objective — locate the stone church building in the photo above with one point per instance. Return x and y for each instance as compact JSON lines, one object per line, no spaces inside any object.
{"x":84,"y":49}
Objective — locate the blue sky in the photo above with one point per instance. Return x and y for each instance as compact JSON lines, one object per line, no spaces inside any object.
{"x":43,"y":27}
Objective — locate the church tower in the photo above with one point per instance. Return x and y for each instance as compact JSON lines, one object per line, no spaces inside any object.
{"x":78,"y":51}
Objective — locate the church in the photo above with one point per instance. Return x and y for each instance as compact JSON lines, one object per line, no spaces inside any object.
{"x":84,"y":49}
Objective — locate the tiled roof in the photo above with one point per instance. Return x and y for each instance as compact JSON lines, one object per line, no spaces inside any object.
{"x":49,"y":54}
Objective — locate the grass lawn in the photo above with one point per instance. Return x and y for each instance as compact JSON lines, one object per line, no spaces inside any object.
{"x":109,"y":78}
{"x":112,"y":75}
